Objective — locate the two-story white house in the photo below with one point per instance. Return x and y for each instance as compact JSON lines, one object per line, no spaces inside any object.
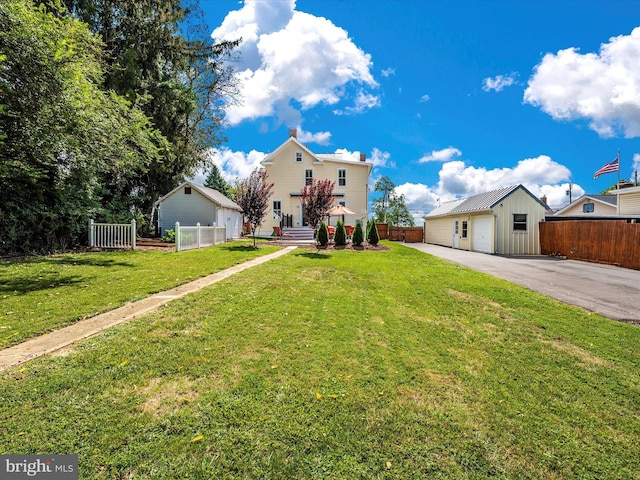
{"x":292,"y":165}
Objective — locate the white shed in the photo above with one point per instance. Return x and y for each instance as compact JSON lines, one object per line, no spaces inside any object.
{"x":503,"y":221}
{"x":191,"y":204}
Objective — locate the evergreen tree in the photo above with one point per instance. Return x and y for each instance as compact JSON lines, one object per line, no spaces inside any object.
{"x":340,"y":235}
{"x":358,"y":237}
{"x":214,"y":180}
{"x":323,"y":235}
{"x":373,"y":238}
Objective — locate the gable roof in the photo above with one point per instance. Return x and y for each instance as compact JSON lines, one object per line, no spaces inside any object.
{"x":480,"y":202}
{"x":337,"y":157}
{"x":209,"y":193}
{"x":610,"y":200}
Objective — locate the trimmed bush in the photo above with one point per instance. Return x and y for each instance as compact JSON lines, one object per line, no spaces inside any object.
{"x":373,"y":237}
{"x":323,"y":235}
{"x":358,"y":236}
{"x":340,"y":236}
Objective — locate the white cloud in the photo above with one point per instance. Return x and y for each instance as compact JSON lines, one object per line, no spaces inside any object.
{"x":232,"y":165}
{"x":319,"y":138}
{"x":364,"y":101}
{"x":425,"y":98}
{"x":291,"y":56}
{"x":603,"y":88}
{"x":443,"y":155}
{"x":541,"y":176}
{"x":636,"y":163}
{"x":381,"y":159}
{"x":387,"y":72}
{"x":499,"y":82}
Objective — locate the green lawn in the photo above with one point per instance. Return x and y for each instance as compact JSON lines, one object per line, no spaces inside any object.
{"x":40,"y":294}
{"x":341,"y":364}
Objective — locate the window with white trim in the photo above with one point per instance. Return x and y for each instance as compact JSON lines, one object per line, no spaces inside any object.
{"x":465,"y":228}
{"x":519,"y":222}
{"x":308,"y":176}
{"x":298,"y":156}
{"x":277,"y":210}
{"x":342,"y":177}
{"x":587,"y":208}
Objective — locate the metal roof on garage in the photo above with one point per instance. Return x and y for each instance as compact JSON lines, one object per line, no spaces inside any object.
{"x":478,"y":203}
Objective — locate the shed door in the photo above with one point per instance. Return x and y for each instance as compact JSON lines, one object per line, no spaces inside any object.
{"x":456,"y":233}
{"x":482,"y":234}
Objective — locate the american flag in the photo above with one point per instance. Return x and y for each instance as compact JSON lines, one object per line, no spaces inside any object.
{"x":608,"y":168}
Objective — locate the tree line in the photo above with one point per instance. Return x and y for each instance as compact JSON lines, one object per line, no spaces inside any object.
{"x":104,"y":106}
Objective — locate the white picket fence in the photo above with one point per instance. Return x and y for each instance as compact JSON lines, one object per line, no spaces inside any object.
{"x":198,"y":236}
{"x":112,"y":235}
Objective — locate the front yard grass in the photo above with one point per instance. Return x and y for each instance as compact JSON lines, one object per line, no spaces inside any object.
{"x":341,"y":364}
{"x":40,"y":294}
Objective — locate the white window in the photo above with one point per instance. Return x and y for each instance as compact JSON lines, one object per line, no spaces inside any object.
{"x":342,"y":177}
{"x":298,"y":156}
{"x":587,"y":208}
{"x":308,"y":176}
{"x":277,"y":210}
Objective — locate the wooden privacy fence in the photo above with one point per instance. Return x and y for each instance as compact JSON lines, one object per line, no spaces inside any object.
{"x":189,"y":237}
{"x":112,"y":235}
{"x":615,"y":242}
{"x":406,"y":234}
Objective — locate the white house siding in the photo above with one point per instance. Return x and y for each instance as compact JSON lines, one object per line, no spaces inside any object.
{"x":629,"y":202}
{"x":188,"y":209}
{"x":288,"y":177}
{"x":599,"y":208}
{"x":232,"y":219}
{"x":510,"y":242}
{"x":439,"y":231}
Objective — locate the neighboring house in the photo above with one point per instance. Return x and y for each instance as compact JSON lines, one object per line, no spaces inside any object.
{"x":292,"y":165}
{"x":628,"y":201}
{"x":590,"y":206}
{"x":503,"y":221}
{"x":191,"y":204}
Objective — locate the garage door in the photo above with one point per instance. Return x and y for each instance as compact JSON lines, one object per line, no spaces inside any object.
{"x":481,"y":236}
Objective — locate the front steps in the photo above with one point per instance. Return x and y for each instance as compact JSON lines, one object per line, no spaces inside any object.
{"x":297,"y":233}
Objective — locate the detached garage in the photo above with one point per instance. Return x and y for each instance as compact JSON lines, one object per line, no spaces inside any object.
{"x":191,"y":204}
{"x":503,"y":221}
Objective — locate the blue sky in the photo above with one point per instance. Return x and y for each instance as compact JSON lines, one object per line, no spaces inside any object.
{"x":448,"y":99}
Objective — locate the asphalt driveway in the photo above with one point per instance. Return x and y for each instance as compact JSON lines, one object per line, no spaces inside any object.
{"x":613,"y":292}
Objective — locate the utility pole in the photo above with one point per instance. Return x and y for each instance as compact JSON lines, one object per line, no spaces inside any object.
{"x":569,"y":191}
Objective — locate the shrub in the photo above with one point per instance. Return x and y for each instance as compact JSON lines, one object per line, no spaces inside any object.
{"x":340,"y":237}
{"x":358,"y":235}
{"x":323,"y":235}
{"x":373,"y":237}
{"x":169,"y":236}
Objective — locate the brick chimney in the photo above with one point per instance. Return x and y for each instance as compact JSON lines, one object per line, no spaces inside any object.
{"x":293,"y":132}
{"x":363,"y":157}
{"x":543,"y":199}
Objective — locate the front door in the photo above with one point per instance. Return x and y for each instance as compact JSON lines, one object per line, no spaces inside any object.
{"x":456,"y":233}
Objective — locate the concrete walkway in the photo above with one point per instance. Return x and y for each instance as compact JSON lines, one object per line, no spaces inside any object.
{"x":58,"y":339}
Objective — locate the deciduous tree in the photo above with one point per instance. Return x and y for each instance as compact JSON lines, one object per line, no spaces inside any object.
{"x":252,"y":195}
{"x":316,"y":199}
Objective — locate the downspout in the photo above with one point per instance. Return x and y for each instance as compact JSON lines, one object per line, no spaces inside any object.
{"x":495,"y":232}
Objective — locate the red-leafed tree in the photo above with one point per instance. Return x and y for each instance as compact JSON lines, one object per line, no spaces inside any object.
{"x":252,"y":195}
{"x":316,"y":198}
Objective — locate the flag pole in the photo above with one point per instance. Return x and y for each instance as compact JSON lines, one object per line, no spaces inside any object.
{"x":618,"y":169}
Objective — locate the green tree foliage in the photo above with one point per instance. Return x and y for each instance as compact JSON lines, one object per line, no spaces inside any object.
{"x":372,"y":233}
{"x":316,"y":200}
{"x":358,"y":236}
{"x":386,"y":186}
{"x":214,"y":180}
{"x":340,"y":236}
{"x":323,"y":235}
{"x":61,"y":132}
{"x":252,"y":196}
{"x":160,"y":57}
{"x":399,"y":214}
